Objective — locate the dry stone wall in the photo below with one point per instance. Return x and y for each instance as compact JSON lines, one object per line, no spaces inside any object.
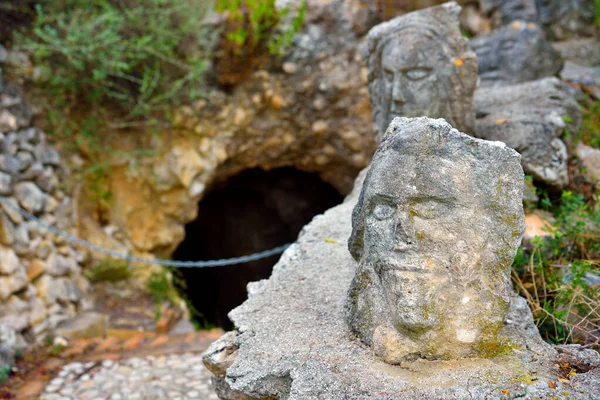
{"x":41,"y":283}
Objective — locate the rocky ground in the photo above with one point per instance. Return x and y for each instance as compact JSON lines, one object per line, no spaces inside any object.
{"x":178,"y":376}
{"x":143,"y":366}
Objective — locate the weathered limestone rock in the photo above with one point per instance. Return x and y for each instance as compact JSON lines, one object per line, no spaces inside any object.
{"x":584,"y":51}
{"x":38,"y":312}
{"x":9,"y":164}
{"x":10,"y":211}
{"x":591,"y":161}
{"x":561,"y":19}
{"x":7,"y":230}
{"x":587,"y":78}
{"x":421,"y":65}
{"x":12,"y":283}
{"x":435,"y":231}
{"x":473,"y":21}
{"x":567,"y":19}
{"x":5,"y":184}
{"x":539,"y":224}
{"x":49,"y":156}
{"x":292,"y":340}
{"x":31,"y":198}
{"x":12,"y":339}
{"x":35,"y":269}
{"x":515,"y":53}
{"x":86,"y":325}
{"x":530,"y":117}
{"x":10,"y":343}
{"x":503,"y":12}
{"x":9,"y":262}
{"x":58,"y":265}
{"x":47,"y":180}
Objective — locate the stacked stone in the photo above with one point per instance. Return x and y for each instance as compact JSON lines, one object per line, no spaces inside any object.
{"x":40,"y":273}
{"x":517,"y":59}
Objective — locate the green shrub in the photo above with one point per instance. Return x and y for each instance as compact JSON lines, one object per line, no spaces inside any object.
{"x":590,"y":128}
{"x":253,"y":29}
{"x":140,"y":55}
{"x":4,"y":374}
{"x":589,"y":133}
{"x":551,"y":275}
{"x":256,"y":22}
{"x":140,"y":58}
{"x":109,"y":270}
{"x":160,"y":286}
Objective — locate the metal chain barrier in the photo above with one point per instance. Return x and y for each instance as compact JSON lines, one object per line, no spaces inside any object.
{"x":167,"y":263}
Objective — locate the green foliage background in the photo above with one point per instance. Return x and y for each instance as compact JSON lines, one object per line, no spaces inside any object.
{"x":139,"y":59}
{"x":551,"y":275}
{"x":129,"y":55}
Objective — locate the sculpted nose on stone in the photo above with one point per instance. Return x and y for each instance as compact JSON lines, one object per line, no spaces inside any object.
{"x":404,"y":238}
{"x":398,"y":97}
{"x":488,"y":59}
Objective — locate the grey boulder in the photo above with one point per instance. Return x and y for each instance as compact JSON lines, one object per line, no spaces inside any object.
{"x":31,"y":198}
{"x":530,"y":118}
{"x":586,"y":78}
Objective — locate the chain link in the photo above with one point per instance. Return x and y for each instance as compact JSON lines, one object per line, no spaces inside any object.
{"x":168,"y":263}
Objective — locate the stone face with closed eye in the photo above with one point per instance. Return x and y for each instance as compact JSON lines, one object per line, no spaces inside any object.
{"x":437,"y":223}
{"x":515,"y":53}
{"x":565,"y":19}
{"x":420,"y":65}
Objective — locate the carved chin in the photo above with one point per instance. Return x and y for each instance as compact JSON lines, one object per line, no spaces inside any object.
{"x":416,"y":318}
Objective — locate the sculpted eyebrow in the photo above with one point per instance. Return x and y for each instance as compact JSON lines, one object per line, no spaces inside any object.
{"x":440,"y":198}
{"x":383,"y":198}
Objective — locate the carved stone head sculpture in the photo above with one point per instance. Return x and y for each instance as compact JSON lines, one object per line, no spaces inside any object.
{"x":435,"y":230}
{"x":564,"y":19}
{"x":503,"y":12}
{"x":515,"y":53}
{"x":561,"y":19}
{"x":421,"y":65}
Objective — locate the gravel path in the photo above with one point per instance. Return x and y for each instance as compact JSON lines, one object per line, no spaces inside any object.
{"x":178,"y":376}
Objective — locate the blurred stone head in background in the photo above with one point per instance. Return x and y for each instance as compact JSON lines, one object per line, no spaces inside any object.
{"x":420,"y":65}
{"x":561,"y":19}
{"x":506,"y":11}
{"x":515,"y":53}
{"x":566,"y":18}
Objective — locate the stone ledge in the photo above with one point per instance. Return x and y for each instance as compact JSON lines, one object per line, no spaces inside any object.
{"x":292,"y":341}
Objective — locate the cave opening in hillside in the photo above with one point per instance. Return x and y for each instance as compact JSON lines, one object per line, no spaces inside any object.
{"x":255,"y":210}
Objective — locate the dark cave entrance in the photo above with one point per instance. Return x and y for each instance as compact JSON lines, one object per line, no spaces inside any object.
{"x":255,"y":210}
